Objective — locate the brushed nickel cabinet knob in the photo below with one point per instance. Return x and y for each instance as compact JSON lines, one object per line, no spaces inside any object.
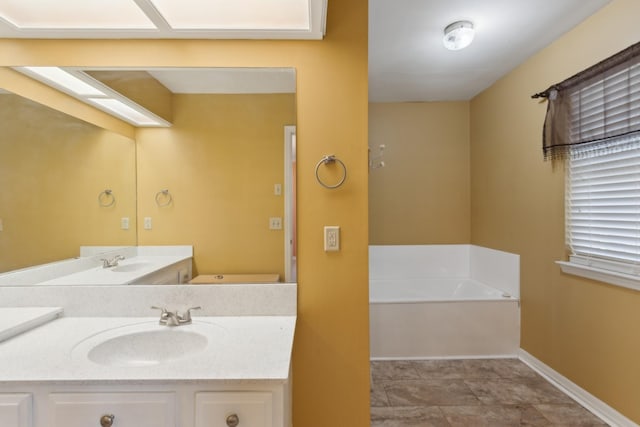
{"x":233,"y":420}
{"x":106,"y":420}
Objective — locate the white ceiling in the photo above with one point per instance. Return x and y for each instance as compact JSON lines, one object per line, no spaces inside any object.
{"x":166,"y":19}
{"x":407,"y":61}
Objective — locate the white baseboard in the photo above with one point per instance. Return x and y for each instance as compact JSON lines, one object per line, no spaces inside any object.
{"x":455,"y":357}
{"x":596,"y":406}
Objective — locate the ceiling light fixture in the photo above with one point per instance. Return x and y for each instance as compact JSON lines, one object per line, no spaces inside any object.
{"x":458,"y":35}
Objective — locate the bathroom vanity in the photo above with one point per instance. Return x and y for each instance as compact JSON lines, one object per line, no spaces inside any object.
{"x":107,"y":365}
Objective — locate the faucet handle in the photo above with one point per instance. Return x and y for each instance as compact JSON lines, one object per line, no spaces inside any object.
{"x":164,"y":314}
{"x":187,"y":314}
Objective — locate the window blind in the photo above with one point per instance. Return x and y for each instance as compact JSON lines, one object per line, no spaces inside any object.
{"x":603,"y":201}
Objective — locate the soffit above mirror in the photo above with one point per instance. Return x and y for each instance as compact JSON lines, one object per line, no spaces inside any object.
{"x":143,"y":96}
{"x":163,"y":19}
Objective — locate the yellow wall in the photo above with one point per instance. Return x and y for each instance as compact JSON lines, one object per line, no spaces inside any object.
{"x":421,"y":196}
{"x":52,"y":169}
{"x":234,"y":146}
{"x":331,"y":350}
{"x":587,"y":331}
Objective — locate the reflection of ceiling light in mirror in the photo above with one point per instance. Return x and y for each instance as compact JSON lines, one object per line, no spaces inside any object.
{"x":458,"y":35}
{"x":65,"y":80}
{"x":128,"y":113}
{"x":235,"y":14}
{"x":77,"y":14}
{"x":88,"y":90}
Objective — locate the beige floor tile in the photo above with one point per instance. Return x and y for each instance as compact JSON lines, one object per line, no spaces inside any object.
{"x":494,"y":416}
{"x":378,"y":396}
{"x":393,"y":370}
{"x":569,"y":415}
{"x":470,"y":392}
{"x":513,"y":392}
{"x":429,"y":416}
{"x":440,"y":369}
{"x":429,"y":393}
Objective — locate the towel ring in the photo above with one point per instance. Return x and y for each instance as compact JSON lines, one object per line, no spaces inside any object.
{"x":163,"y":198}
{"x":106,"y":198}
{"x":327,"y":160}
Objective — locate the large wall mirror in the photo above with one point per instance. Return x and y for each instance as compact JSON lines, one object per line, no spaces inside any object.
{"x":213,"y":179}
{"x":55,"y":172}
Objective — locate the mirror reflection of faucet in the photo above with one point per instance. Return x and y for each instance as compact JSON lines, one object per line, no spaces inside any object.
{"x":113,"y":262}
{"x":174,"y":318}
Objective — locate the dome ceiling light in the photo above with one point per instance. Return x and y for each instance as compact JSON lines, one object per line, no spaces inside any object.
{"x":458,"y":35}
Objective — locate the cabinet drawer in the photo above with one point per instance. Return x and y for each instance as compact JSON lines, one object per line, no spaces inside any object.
{"x":252,"y":409}
{"x":128,"y":409}
{"x":15,"y":410}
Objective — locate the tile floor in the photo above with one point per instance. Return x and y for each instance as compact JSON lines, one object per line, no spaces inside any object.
{"x":471,"y":392}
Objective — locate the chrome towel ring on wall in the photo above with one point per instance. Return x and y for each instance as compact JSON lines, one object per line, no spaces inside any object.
{"x":330,"y":159}
{"x":163,"y":198}
{"x":106,"y":198}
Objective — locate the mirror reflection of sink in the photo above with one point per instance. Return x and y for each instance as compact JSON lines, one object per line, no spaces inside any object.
{"x":128,"y":268}
{"x":143,"y":344}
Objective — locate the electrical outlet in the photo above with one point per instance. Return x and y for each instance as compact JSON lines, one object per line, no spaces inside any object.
{"x":275,"y":223}
{"x":124,"y":223}
{"x":331,"y":238}
{"x":148,"y":224}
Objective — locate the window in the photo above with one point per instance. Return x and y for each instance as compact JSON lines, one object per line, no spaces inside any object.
{"x":603,"y":206}
{"x":593,"y":121}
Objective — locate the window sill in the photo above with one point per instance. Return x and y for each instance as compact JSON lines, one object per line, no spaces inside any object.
{"x":628,"y":281}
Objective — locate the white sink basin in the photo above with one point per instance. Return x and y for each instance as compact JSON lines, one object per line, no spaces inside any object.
{"x":128,"y":268}
{"x":145,"y":344}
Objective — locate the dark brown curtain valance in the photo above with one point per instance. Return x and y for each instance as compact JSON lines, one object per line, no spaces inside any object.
{"x":593,"y":106}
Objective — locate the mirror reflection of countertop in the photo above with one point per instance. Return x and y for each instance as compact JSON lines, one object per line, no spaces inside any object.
{"x":127,"y":271}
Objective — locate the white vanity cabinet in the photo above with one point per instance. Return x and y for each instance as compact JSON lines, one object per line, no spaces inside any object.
{"x":231,"y":409}
{"x":179,"y":404}
{"x":15,"y":409}
{"x":111,"y":410}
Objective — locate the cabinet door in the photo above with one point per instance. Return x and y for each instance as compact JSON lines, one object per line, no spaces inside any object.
{"x":128,"y":409}
{"x":217,"y":409}
{"x":15,"y":410}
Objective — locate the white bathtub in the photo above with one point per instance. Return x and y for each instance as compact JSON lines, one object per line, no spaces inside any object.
{"x":434,"y":302}
{"x":432,"y":290}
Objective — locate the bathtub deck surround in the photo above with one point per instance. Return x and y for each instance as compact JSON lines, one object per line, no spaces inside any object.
{"x":443,"y":301}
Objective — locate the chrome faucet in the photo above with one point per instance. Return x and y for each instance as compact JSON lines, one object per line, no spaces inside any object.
{"x":174,"y":318}
{"x":113,"y":262}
